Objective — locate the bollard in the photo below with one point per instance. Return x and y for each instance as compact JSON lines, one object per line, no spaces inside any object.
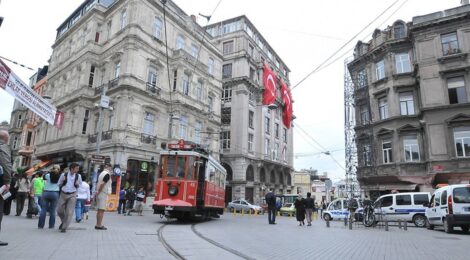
{"x":242,"y":212}
{"x":405,"y":226}
{"x":234,"y":212}
{"x":399,"y":224}
{"x":345,"y":222}
{"x":386,"y":225}
{"x":328,"y":223}
{"x":350,"y":224}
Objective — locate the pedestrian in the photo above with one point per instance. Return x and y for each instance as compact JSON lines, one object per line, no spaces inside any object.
{"x":32,"y":206}
{"x":22,"y":184}
{"x":5,"y":172}
{"x":68,"y":183}
{"x":271,"y":201}
{"x":37,"y":189}
{"x":83,"y":194}
{"x":130,"y":197}
{"x":50,"y":197}
{"x":309,"y":208}
{"x":103,"y":188}
{"x":323,"y":208}
{"x":7,"y":204}
{"x":122,"y":201}
{"x":300,"y":210}
{"x":140,"y":198}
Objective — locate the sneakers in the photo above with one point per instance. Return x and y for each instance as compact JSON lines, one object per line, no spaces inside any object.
{"x":3,"y":243}
{"x":101,"y":228}
{"x":63,"y":230}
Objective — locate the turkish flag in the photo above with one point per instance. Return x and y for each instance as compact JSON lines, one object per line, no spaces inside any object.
{"x":287,"y":109}
{"x":269,"y":82}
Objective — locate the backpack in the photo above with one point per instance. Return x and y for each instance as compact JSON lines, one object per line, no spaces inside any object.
{"x":64,"y":182}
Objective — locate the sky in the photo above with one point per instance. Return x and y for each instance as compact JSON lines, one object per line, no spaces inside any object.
{"x":304,"y":33}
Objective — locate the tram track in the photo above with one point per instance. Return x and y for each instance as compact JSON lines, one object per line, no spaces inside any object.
{"x":172,"y":249}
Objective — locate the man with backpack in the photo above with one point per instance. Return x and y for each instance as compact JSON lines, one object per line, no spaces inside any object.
{"x":68,"y":183}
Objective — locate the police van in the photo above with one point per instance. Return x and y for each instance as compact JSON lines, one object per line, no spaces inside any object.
{"x":450,"y":207}
{"x":409,"y":207}
{"x":338,"y":209}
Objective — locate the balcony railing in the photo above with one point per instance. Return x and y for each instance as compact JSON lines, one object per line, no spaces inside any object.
{"x":104,"y":136}
{"x":152,"y":88}
{"x":148,"y":139}
{"x":111,"y":84}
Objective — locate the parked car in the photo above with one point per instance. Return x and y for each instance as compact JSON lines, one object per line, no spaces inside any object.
{"x":338,"y":209}
{"x":288,"y":209}
{"x":239,"y":205}
{"x":407,"y":206}
{"x":449,"y":207}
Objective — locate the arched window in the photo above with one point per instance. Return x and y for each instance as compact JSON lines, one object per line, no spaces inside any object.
{"x":262,"y":175}
{"x":250,"y":175}
{"x":398,"y":30}
{"x":281,"y":178}
{"x":272,"y":178}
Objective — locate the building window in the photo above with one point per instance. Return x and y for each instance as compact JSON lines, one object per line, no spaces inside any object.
{"x":117,"y":69}
{"x":19,"y":122}
{"x":366,"y":155}
{"x":227,"y":47}
{"x":407,"y":106}
{"x":380,"y":70}
{"x":226,"y":115}
{"x":157,"y":30}
{"x":29,"y":136}
{"x":108,"y":29}
{"x":284,"y":135}
{"x":411,"y":148}
{"x":456,"y":88}
{"x":250,"y":50}
{"x":149,"y":121}
{"x":251,"y":116}
{"x":361,"y":79}
{"x":462,"y":141}
{"x":199,"y":91}
{"x":85,"y":121}
{"x":180,"y":42}
{"x":194,"y":50}
{"x":276,"y":152}
{"x":251,"y":97}
{"x":15,"y":143}
{"x":450,"y":44}
{"x":387,"y":151}
{"x":399,"y":31}
{"x":227,"y":71}
{"x":185,"y":84}
{"x":152,"y":77}
{"x":92,"y":76}
{"x":197,"y":132}
{"x":210,"y":103}
{"x":364,"y":110}
{"x":267,"y":146}
{"x":402,"y":63}
{"x":184,"y":127}
{"x":383,"y":108}
{"x":250,"y":142}
{"x":210,"y":66}
{"x":276,"y":130}
{"x":123,"y":19}
{"x":110,"y":121}
{"x":175,"y":79}
{"x":227,"y":94}
{"x":284,"y":153}
{"x":267,"y":124}
{"x":225,"y":139}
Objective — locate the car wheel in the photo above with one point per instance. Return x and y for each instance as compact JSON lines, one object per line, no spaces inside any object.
{"x":465,"y":228}
{"x":252,"y":211}
{"x":327,"y":217}
{"x":428,"y":225}
{"x":447,"y":227}
{"x":419,"y":220}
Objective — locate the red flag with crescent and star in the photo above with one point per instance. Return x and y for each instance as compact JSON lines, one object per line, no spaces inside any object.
{"x":269,"y":82}
{"x":287,"y":109}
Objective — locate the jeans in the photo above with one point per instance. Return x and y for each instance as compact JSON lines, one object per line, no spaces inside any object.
{"x":122,"y":206}
{"x":37,"y":201}
{"x":309,"y":215}
{"x":79,"y":209}
{"x":49,"y":204}
{"x":272,"y":215}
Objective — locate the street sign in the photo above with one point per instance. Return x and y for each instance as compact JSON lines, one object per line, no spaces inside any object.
{"x":104,"y":102}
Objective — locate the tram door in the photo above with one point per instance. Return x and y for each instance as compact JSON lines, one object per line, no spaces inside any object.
{"x":201,"y":183}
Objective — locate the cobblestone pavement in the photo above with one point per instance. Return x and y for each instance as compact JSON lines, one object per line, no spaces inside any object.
{"x":136,"y":237}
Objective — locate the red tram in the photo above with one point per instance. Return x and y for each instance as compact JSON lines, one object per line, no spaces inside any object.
{"x":190,"y":183}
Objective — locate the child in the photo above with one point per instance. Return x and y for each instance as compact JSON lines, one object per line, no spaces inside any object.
{"x":140,"y":201}
{"x":130,"y":197}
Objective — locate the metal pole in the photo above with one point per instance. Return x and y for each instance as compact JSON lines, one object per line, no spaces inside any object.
{"x":100,"y":122}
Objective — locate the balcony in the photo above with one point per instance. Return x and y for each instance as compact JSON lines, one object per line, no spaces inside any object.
{"x":26,"y":150}
{"x":152,"y":88}
{"x":148,"y":139}
{"x":111,"y":84}
{"x":104,"y":136}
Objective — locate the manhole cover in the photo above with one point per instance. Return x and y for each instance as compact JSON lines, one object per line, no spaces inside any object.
{"x":448,"y":238}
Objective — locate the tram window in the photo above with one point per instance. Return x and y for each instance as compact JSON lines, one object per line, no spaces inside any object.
{"x":181,"y":167}
{"x":170,"y":166}
{"x":191,"y":168}
{"x":160,"y":168}
{"x":217,"y":178}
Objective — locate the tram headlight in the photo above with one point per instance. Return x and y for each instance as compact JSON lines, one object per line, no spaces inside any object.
{"x":173,"y":190}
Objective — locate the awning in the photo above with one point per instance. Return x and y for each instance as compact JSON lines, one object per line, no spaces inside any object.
{"x":37,"y":166}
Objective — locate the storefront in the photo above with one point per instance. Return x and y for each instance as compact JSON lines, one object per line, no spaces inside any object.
{"x":141,"y":174}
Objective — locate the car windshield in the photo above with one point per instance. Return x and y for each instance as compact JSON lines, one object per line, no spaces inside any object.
{"x":288,"y":205}
{"x":462,"y":195}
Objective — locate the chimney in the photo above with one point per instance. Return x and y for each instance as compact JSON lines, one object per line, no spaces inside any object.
{"x":464,"y":2}
{"x":193,"y":17}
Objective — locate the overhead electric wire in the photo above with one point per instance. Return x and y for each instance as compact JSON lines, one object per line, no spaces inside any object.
{"x":344,"y":45}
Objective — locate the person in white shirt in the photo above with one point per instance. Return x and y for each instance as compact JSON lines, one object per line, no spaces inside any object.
{"x":83,"y":194}
{"x":103,"y":188}
{"x":68,"y":183}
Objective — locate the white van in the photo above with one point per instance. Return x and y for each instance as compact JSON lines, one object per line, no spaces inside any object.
{"x":407,"y":207}
{"x":338,"y":209}
{"x":450,"y":207}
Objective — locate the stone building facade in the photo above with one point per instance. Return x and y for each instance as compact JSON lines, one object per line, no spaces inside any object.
{"x":119,"y":48}
{"x":256,"y":147}
{"x":412,"y":102}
